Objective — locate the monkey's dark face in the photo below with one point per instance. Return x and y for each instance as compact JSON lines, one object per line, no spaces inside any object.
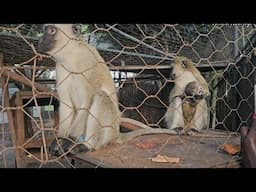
{"x":47,"y":41}
{"x":195,"y":90}
{"x":57,"y":36}
{"x":172,"y":74}
{"x":180,"y":65}
{"x":176,"y":72}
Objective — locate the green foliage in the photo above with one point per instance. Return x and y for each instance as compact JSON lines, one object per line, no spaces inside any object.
{"x":31,"y":30}
{"x":84,"y":29}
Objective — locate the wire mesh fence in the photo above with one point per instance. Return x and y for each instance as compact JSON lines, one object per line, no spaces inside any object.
{"x":140,"y":58}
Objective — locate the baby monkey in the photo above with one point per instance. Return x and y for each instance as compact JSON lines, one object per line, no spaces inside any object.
{"x":193,"y":93}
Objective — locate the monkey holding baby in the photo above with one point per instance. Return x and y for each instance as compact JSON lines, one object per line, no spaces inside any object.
{"x":187,"y":110}
{"x":88,"y":111}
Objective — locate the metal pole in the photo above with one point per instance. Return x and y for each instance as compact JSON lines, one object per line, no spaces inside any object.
{"x":133,"y":54}
{"x":141,"y":42}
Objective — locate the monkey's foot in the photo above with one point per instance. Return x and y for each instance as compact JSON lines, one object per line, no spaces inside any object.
{"x":60,"y":146}
{"x":192,"y":132}
{"x":63,"y":145}
{"x":80,"y":148}
{"x":180,"y":130}
{"x":188,"y":132}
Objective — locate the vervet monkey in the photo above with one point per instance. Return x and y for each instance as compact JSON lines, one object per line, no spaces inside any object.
{"x":88,"y":102}
{"x":187,"y":108}
{"x":88,"y":110}
{"x":193,"y":93}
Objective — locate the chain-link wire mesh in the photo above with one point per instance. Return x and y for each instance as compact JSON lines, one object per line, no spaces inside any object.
{"x":140,"y":58}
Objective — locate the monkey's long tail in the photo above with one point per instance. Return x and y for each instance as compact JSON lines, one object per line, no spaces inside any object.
{"x":124,"y":137}
{"x":132,"y":124}
{"x":137,"y":129}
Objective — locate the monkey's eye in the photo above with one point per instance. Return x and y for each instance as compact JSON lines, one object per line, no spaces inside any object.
{"x":185,"y":64}
{"x":50,"y":30}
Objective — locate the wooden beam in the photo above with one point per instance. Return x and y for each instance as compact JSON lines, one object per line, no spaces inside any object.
{"x":29,"y":67}
{"x":93,"y":162}
{"x":6,"y":98}
{"x":20,"y":129}
{"x":20,"y":79}
{"x":37,"y":143}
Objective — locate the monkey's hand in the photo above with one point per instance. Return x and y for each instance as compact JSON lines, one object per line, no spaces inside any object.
{"x":192,"y":131}
{"x":248,"y":145}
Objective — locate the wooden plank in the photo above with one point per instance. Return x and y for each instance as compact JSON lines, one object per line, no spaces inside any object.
{"x":37,"y":143}
{"x":194,"y":152}
{"x":20,"y":127}
{"x":17,"y":151}
{"x":18,"y":78}
{"x":29,"y":95}
{"x":29,"y":67}
{"x":94,"y":162}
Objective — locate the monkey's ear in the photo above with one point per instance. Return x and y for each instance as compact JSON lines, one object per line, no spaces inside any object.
{"x":76,"y":28}
{"x":184,"y":63}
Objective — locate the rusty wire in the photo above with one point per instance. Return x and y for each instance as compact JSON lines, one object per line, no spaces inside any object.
{"x":223,"y":53}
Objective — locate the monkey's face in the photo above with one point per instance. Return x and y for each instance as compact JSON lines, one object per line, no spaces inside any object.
{"x":195,"y":89}
{"x":179,"y":66}
{"x":47,"y":41}
{"x":56,"y":36}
